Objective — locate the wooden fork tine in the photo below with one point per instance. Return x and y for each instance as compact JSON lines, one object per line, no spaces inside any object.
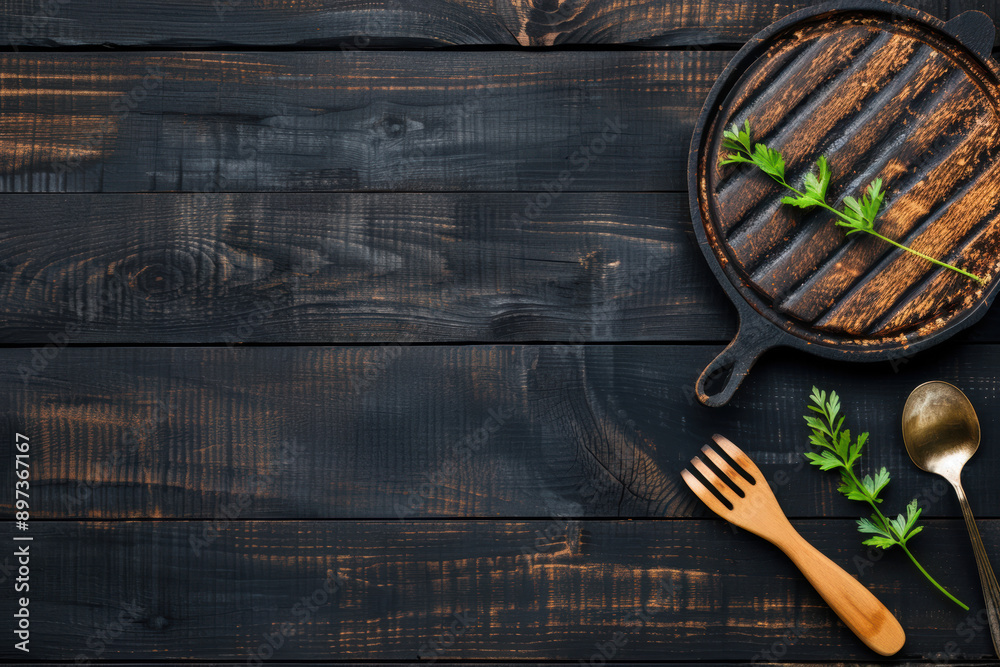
{"x":723,"y":465}
{"x":713,"y":478}
{"x":703,"y":493}
{"x":737,"y":455}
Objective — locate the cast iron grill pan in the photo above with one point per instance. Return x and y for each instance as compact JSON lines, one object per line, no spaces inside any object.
{"x":883,"y":91}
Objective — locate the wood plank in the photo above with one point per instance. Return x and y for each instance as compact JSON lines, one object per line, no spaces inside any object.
{"x":395,"y":587}
{"x":303,"y":268}
{"x":321,"y":121}
{"x":222,"y":268}
{"x":351,"y":25}
{"x":411,"y":432}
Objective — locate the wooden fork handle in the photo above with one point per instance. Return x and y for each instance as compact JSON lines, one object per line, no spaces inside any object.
{"x":854,"y":604}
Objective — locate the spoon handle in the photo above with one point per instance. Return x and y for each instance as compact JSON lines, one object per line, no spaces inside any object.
{"x":991,"y":591}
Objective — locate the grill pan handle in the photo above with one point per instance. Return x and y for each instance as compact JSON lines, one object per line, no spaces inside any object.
{"x":733,"y":364}
{"x":975,"y":30}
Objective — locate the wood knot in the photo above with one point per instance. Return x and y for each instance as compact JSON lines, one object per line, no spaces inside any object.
{"x":165,"y":274}
{"x":543,"y":21}
{"x":393,"y":127}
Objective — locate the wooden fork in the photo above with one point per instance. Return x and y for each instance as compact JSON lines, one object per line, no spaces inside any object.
{"x":758,"y":511}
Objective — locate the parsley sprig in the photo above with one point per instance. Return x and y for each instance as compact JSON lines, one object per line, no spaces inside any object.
{"x":837,"y":451}
{"x":857,"y":215}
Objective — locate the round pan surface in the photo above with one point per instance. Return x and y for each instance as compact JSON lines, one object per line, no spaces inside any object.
{"x":883,"y":91}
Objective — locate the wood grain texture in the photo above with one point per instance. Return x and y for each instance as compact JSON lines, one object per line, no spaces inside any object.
{"x":397,"y":432}
{"x":305,"y":268}
{"x":395,"y":587}
{"x":319,"y":121}
{"x":353,"y":24}
{"x":227,"y":268}
{"x":245,"y":197}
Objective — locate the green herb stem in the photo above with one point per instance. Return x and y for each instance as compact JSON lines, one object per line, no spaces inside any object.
{"x":839,"y":214}
{"x":902,"y":544}
{"x":929,"y":259}
{"x":931,"y":579}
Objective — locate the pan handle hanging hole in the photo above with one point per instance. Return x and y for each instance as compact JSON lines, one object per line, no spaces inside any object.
{"x":721,"y":378}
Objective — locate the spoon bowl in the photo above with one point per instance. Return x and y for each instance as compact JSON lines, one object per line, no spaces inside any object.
{"x":940,"y":429}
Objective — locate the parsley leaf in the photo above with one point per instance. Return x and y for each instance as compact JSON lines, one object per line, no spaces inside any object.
{"x":737,"y":139}
{"x":769,"y":161}
{"x":882,"y":539}
{"x":861,"y":214}
{"x":815,"y":187}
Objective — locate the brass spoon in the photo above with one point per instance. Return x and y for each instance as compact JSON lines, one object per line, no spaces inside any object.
{"x":941,"y":432}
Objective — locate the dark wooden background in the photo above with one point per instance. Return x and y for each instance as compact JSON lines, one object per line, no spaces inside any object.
{"x":289,"y":260}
